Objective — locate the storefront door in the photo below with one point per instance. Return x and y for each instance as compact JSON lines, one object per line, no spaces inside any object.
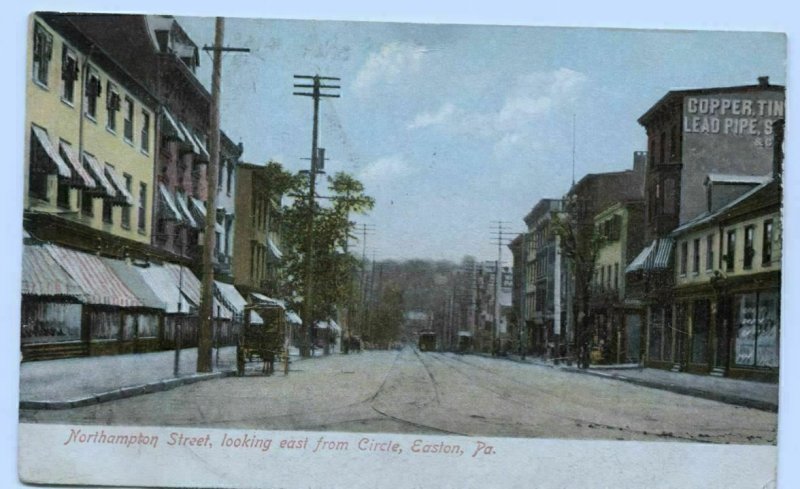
{"x":633,"y":331}
{"x":720,"y":353}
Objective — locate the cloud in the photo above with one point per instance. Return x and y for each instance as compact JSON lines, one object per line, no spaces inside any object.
{"x":531,"y":101}
{"x":442,"y":116}
{"x":388,"y":167}
{"x":391,"y":62}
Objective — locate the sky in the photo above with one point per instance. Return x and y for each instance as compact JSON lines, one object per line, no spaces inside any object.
{"x":451,"y":127}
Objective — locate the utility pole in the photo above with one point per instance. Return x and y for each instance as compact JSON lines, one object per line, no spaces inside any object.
{"x":366,"y":229}
{"x":501,"y":235}
{"x":205,"y":335}
{"x":316,"y":94}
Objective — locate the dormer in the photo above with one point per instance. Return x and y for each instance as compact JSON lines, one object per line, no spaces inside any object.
{"x":722,"y":189}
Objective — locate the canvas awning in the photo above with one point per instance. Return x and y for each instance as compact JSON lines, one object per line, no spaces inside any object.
{"x":267,"y":301}
{"x":202,"y":146}
{"x":641,"y":258}
{"x":170,"y":127}
{"x":189,"y":138}
{"x":293,"y":318}
{"x":662,"y":255}
{"x":43,"y":140}
{"x":274,"y":251}
{"x":169,"y":290}
{"x":83,"y":178}
{"x":169,"y":203}
{"x":129,"y":274}
{"x":98,"y":282}
{"x":105,"y":188}
{"x":183,"y":206}
{"x":199,"y":208}
{"x":122,"y":195}
{"x":43,"y":276}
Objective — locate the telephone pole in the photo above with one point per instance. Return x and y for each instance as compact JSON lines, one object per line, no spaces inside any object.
{"x":205,"y":335}
{"x":501,"y":235}
{"x":316,"y":94}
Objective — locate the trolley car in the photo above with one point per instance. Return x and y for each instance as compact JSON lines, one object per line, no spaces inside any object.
{"x":427,"y":341}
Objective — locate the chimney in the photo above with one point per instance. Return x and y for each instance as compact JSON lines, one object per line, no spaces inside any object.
{"x":639,"y":161}
{"x":763,"y":81}
{"x":777,"y":148}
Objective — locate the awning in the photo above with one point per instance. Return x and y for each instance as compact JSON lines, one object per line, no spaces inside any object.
{"x":105,"y":187}
{"x":274,"y":251}
{"x":122,"y":195}
{"x":164,"y":285}
{"x":293,"y":318}
{"x":170,"y":126}
{"x":641,"y":258}
{"x":44,"y":142}
{"x":169,"y":203}
{"x":221,"y":310}
{"x":99,"y":284}
{"x":43,"y":276}
{"x":84,"y":179}
{"x":190,"y":284}
{"x":662,"y":255}
{"x":189,"y":138}
{"x":268,"y":301}
{"x":129,"y":274}
{"x":183,"y":205}
{"x":199,"y":208}
{"x":231,"y":296}
{"x":202,"y":146}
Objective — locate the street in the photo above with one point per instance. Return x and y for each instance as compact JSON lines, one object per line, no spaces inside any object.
{"x":410,"y":392}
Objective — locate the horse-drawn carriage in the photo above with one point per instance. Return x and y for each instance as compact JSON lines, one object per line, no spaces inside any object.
{"x":263,"y":336}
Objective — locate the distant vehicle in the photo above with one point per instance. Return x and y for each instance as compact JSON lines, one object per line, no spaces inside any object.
{"x":427,"y":341}
{"x":464,"y":341}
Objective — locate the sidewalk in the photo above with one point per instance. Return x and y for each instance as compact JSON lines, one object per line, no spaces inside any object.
{"x":75,"y":382}
{"x":757,"y":395}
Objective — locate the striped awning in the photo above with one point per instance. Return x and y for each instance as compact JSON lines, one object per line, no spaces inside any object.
{"x":199,"y":208}
{"x":106,"y":188}
{"x":183,"y":206}
{"x":171,"y":291}
{"x":43,"y":276}
{"x":274,"y":251}
{"x":190,"y":284}
{"x":189,"y":138}
{"x":202,"y":146}
{"x":70,"y":156}
{"x":44,"y":142}
{"x":171,"y":128}
{"x":641,"y":258}
{"x":98,"y":282}
{"x":122,"y":195}
{"x":660,"y":259}
{"x":130,"y":275}
{"x":169,"y":203}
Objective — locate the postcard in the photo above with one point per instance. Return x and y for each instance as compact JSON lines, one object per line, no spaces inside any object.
{"x":297,"y":253}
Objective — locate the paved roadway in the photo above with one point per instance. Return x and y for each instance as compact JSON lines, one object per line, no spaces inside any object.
{"x":410,"y":392}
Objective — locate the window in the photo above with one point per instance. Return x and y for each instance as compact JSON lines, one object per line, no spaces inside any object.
{"x":128,"y":130}
{"x":696,"y":256}
{"x":730,"y":250}
{"x":684,"y":253}
{"x":112,"y":105}
{"x":749,"y":252}
{"x":710,"y":252}
{"x":145,"y":131}
{"x":37,"y":173}
{"x":701,"y":314}
{"x":69,"y":74}
{"x":670,"y":200}
{"x":87,"y":204}
{"x":229,"y":181}
{"x":142,"y":206}
{"x":220,"y":174}
{"x":108,"y":215}
{"x":602,"y":276}
{"x":756,"y":328}
{"x":616,"y":276}
{"x":662,"y":148}
{"x":42,"y":53}
{"x":608,"y":278}
{"x":62,"y":195}
{"x":93,"y":90}
{"x":766,"y":244}
{"x":126,"y":210}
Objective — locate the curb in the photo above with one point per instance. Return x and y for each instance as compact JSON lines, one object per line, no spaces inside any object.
{"x":677,"y":389}
{"x":125,"y":392}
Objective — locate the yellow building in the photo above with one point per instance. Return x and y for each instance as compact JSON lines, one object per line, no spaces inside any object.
{"x":727,"y":288}
{"x":90,"y":138}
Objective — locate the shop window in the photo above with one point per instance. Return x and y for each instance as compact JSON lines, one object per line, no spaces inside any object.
{"x":684,"y":256}
{"x":730,"y":251}
{"x":112,"y":106}
{"x":142,"y":206}
{"x":710,"y":252}
{"x":104,"y":325}
{"x":50,"y":322}
{"x":93,"y":90}
{"x":126,"y":210}
{"x":42,"y":53}
{"x":756,"y":322}
{"x":128,"y":129}
{"x":766,"y":244}
{"x":700,"y":318}
{"x":696,"y":256}
{"x":145,"y":131}
{"x":69,"y":74}
{"x":749,"y":251}
{"x":62,"y":195}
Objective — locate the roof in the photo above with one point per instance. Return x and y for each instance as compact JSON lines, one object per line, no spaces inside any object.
{"x":43,"y":276}
{"x":708,"y":217}
{"x":99,"y":283}
{"x":678,"y":94}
